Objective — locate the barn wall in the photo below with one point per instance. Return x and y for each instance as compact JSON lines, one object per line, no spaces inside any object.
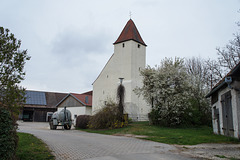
{"x":70,"y":102}
{"x":238,"y":113}
{"x":235,"y":101}
{"x":216,"y":117}
{"x":37,"y":114}
{"x":235,"y":113}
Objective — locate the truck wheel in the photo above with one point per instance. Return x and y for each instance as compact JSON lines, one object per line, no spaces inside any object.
{"x":54,"y":127}
{"x":51,"y":125}
{"x":67,"y":126}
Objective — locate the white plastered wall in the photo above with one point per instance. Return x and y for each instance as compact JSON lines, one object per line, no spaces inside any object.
{"x":214,"y":120}
{"x":126,"y":63}
{"x":238,"y":113}
{"x":235,"y":112}
{"x":81,"y":110}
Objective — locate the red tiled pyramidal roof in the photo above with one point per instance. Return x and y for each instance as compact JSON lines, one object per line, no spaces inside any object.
{"x":130,"y":32}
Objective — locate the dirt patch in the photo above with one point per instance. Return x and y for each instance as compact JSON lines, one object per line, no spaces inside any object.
{"x":211,"y":151}
{"x":203,"y":151}
{"x":131,"y":135}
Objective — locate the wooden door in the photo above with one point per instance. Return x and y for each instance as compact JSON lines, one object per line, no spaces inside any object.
{"x":226,"y":100}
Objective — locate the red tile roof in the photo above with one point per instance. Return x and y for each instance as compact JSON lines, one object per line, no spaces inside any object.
{"x":82,"y":98}
{"x":130,"y":32}
{"x":88,"y":93}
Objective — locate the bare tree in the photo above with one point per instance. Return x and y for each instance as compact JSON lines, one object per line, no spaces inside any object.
{"x":197,"y":68}
{"x":229,"y":56}
{"x":215,"y":72}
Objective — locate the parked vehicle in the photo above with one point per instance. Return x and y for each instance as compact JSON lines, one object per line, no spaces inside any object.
{"x":61,"y":118}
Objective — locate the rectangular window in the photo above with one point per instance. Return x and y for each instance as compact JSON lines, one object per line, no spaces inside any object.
{"x":214,"y":98}
{"x":86,"y":99}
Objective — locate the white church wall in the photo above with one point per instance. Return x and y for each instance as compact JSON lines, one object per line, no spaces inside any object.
{"x":126,"y":63}
{"x":104,"y":86}
{"x":88,"y":111}
{"x":139,"y":60}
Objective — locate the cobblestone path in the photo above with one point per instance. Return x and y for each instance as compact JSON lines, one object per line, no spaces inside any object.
{"x":78,"y":145}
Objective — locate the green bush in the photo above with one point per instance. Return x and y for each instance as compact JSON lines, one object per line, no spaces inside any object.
{"x":129,"y":120}
{"x":82,"y":121}
{"x":153,"y":117}
{"x":108,"y":117}
{"x":8,"y":135}
{"x":166,"y":118}
{"x":190,"y":116}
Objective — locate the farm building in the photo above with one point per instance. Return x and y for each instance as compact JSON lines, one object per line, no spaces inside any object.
{"x":225,"y":101}
{"x":39,"y":104}
{"x":77,"y":104}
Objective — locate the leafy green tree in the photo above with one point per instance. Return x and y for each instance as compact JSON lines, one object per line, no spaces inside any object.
{"x":12,"y":61}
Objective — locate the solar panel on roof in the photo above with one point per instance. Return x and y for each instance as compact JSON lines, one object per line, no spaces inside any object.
{"x":37,"y":98}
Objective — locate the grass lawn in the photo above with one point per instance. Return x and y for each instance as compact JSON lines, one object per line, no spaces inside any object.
{"x":32,"y":148}
{"x":181,"y":136}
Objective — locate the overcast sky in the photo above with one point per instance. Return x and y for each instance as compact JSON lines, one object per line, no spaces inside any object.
{"x":71,"y":41}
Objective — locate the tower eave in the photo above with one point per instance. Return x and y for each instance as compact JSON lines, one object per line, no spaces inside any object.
{"x":129,"y":40}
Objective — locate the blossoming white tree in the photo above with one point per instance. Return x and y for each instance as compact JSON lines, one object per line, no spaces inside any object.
{"x":170,"y":89}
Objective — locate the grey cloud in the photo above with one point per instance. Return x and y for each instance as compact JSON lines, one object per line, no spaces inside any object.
{"x":77,"y":42}
{"x":71,"y":42}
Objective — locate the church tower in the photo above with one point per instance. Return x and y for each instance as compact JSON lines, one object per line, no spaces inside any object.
{"x":128,"y":59}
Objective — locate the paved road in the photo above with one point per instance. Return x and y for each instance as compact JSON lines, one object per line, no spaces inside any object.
{"x":73,"y":144}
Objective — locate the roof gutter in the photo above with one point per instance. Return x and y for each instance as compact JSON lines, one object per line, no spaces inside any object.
{"x":220,"y":85}
{"x":215,"y":89}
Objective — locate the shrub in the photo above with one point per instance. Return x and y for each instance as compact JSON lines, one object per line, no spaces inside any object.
{"x":153,"y":117}
{"x":165,"y":117}
{"x":190,"y":116}
{"x":108,"y":117}
{"x":82,"y":121}
{"x":129,"y":120}
{"x":8,"y":135}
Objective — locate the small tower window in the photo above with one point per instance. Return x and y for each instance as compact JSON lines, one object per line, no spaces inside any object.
{"x":86,"y":99}
{"x":139,"y":45}
{"x":123,"y":45}
{"x":107,"y":76}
